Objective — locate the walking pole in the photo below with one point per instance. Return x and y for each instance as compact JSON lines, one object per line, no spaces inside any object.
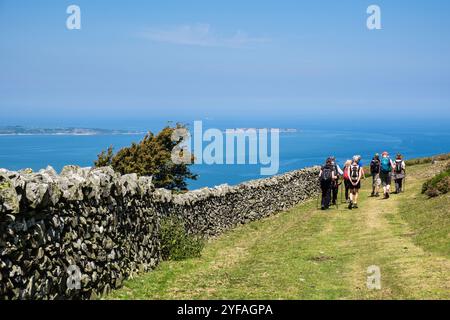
{"x":404,"y":183}
{"x":342,"y":187}
{"x":337,"y":202}
{"x":317,"y":202}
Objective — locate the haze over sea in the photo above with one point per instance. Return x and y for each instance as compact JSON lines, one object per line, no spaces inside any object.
{"x":310,"y":145}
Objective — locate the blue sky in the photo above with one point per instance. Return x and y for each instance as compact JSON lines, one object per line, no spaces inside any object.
{"x":178,"y":60}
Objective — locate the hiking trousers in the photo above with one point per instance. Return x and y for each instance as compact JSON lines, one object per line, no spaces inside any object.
{"x":326,"y":193}
{"x":335,"y":190}
{"x":398,"y":185}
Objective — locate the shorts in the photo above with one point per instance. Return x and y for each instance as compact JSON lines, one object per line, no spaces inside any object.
{"x":399,"y":176}
{"x":357,"y":186}
{"x":385,"y":178}
{"x":376,"y":181}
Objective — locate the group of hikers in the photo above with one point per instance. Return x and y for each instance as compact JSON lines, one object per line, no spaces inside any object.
{"x":382,"y":170}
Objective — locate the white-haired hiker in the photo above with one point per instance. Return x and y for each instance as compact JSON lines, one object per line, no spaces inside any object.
{"x":358,"y":158}
{"x":355,"y":174}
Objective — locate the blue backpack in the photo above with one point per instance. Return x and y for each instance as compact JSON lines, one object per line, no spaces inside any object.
{"x":386,"y":165}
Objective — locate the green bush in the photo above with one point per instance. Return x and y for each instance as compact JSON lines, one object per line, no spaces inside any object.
{"x":444,"y":185}
{"x":176,"y":243}
{"x":439,"y":184}
{"x":441,"y":157}
{"x":152,"y":156}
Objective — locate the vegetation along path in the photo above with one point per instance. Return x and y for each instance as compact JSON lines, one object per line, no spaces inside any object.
{"x":306,"y":253}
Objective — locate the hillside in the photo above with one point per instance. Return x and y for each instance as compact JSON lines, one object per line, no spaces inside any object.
{"x":304,"y":253}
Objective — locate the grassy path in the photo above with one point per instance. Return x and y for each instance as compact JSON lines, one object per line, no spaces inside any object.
{"x":305,"y":253}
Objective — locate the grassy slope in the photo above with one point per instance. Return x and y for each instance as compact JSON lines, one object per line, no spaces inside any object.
{"x":308,"y":254}
{"x":429,"y":218}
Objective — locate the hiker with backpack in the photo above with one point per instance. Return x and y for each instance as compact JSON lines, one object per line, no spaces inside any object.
{"x":358,"y":160}
{"x":355,"y":175}
{"x":335,"y":185}
{"x":346,"y":177}
{"x":399,"y":173}
{"x":326,"y":176}
{"x":385,"y":173}
{"x":375,"y":168}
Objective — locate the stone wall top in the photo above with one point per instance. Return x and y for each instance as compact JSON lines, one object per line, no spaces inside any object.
{"x":25,"y":190}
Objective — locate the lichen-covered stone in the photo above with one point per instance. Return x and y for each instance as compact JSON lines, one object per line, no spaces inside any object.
{"x":9,"y":200}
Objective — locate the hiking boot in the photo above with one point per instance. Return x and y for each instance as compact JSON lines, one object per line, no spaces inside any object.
{"x":355,"y":206}
{"x":377,"y":194}
{"x":323,"y":208}
{"x":372,"y":194}
{"x":350,"y":205}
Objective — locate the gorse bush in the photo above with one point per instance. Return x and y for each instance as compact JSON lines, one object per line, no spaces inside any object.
{"x":439,"y":184}
{"x":176,"y":243}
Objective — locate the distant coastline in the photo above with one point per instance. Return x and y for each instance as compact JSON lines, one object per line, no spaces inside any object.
{"x":246,"y":130}
{"x":71,"y":131}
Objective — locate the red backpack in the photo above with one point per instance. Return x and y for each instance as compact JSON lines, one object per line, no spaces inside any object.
{"x":346,"y":177}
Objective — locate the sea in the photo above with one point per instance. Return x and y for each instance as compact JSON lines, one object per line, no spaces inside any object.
{"x":309,"y":145}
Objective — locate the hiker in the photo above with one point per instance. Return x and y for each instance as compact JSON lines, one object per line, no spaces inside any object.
{"x":399,"y":173}
{"x":375,"y":168}
{"x":347,"y":182}
{"x":327,"y":176}
{"x":357,"y":158}
{"x":335,"y":185}
{"x":385,"y":173}
{"x":355,"y":175}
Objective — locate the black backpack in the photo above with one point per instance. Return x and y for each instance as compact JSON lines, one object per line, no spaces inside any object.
{"x":327,"y":173}
{"x":354,"y":172}
{"x":375,"y":166}
{"x":398,"y":166}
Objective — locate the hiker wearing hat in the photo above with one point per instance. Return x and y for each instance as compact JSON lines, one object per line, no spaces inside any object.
{"x":385,"y":173}
{"x":375,"y":168}
{"x":399,"y":173}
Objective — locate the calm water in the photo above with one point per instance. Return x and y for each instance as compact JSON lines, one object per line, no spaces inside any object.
{"x":297,"y":150}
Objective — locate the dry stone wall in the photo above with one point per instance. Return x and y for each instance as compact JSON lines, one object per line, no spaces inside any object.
{"x":79,"y":234}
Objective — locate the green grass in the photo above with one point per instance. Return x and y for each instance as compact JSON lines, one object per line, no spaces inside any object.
{"x":305,"y":253}
{"x":429,"y":219}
